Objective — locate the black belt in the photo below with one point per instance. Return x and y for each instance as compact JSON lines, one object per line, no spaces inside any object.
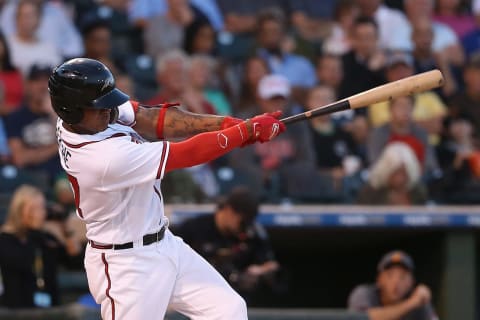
{"x":147,"y":239}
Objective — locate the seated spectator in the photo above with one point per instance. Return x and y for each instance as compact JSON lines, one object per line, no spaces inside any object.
{"x":395,"y":294}
{"x":363,"y":65}
{"x":179,"y":16}
{"x":97,"y":40}
{"x":402,"y":128}
{"x":467,"y":101}
{"x":456,"y":15}
{"x":10,"y":80}
{"x":200,"y":38}
{"x":199,"y":94}
{"x":31,"y":129}
{"x":26,"y":49}
{"x":426,"y":59}
{"x":311,"y":19}
{"x":329,"y":70}
{"x":255,"y":68}
{"x":55,"y":26}
{"x":392,"y":24}
{"x":332,"y":145}
{"x":235,"y":244}
{"x":444,"y":38}
{"x":294,"y":147}
{"x":394,"y":179}
{"x":29,"y":256}
{"x":271,"y":31}
{"x":339,"y":42}
{"x":428,"y":111}
{"x":171,"y":74}
{"x":459,"y":158}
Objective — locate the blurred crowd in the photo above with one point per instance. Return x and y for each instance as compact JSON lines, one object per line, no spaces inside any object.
{"x":249,"y":57}
{"x":244,"y":58}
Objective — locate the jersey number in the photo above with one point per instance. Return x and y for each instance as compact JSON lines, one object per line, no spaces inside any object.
{"x":76,"y":193}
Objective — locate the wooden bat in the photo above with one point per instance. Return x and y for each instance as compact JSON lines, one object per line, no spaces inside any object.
{"x":403,"y":87}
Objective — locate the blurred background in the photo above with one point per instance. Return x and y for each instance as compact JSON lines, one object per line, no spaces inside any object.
{"x":347,"y":216}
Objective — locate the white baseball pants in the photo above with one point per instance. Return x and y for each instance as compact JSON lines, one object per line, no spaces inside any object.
{"x":142,"y":282}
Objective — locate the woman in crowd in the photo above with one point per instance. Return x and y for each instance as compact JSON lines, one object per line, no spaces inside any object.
{"x":29,"y":256}
{"x":394,"y":179}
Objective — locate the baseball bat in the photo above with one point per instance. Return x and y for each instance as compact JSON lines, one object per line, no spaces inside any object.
{"x":403,"y":87}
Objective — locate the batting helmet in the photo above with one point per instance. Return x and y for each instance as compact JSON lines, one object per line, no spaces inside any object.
{"x":83,"y":83}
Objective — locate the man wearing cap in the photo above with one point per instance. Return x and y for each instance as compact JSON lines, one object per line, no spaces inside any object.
{"x":267,"y":162}
{"x":233,"y":243}
{"x":394,"y":296}
{"x":31,"y":128}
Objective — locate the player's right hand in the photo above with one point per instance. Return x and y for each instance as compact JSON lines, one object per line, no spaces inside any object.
{"x":265,"y":127}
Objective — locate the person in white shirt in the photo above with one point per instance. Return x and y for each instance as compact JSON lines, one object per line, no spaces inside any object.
{"x":25,"y":48}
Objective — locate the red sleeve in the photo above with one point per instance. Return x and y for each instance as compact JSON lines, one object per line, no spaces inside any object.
{"x":205,"y":147}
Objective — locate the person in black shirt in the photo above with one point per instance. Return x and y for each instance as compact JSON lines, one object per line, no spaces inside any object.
{"x":234,"y":244}
{"x":28,"y":255}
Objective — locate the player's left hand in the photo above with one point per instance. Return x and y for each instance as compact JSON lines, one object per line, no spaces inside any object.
{"x":267,"y":126}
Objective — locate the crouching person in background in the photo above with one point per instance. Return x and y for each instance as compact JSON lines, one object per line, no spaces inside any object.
{"x":394,"y":296}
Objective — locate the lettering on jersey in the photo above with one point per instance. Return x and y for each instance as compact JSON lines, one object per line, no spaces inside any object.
{"x":65,"y":154}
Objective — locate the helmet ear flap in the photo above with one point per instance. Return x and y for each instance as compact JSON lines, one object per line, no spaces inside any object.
{"x":71,"y":115}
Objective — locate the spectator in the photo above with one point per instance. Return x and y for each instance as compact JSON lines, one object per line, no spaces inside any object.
{"x":394,"y":295}
{"x":171,"y":73}
{"x":97,"y":40}
{"x":467,"y":101}
{"x":458,"y":156}
{"x":425,"y":59}
{"x":363,"y":65}
{"x":311,"y":19}
{"x":454,"y":14}
{"x":25,"y":48}
{"x":444,"y":38}
{"x":200,"y":38}
{"x":31,"y":129}
{"x":268,"y":160}
{"x":270,"y":33}
{"x":171,"y":25}
{"x":428,"y":111}
{"x":255,"y":68}
{"x":392,"y":24}
{"x":332,"y":145}
{"x":197,"y":96}
{"x":29,"y":256}
{"x":330,"y":71}
{"x":339,"y":42}
{"x":402,"y":128}
{"x":470,"y":41}
{"x":394,"y":179}
{"x":55,"y":26}
{"x":10,"y":79}
{"x":234,"y":243}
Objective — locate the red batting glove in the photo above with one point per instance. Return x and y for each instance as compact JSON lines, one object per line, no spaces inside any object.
{"x":266,"y":126}
{"x":229,"y":122}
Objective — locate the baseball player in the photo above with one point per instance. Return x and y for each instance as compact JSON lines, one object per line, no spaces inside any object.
{"x":135,"y":266}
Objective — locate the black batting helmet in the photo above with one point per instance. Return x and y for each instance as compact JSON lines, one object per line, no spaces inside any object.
{"x":83,"y":83}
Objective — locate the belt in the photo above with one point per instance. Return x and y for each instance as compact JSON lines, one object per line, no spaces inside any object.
{"x":147,"y":239}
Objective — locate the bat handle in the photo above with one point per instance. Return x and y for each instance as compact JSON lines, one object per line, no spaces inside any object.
{"x":321,"y":111}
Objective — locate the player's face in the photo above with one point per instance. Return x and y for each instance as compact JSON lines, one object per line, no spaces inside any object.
{"x":394,"y":284}
{"x":34,"y":213}
{"x":95,"y":120}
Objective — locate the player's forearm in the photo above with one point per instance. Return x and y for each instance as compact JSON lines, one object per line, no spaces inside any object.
{"x":394,"y":312}
{"x":206,"y":146}
{"x":176,"y":124}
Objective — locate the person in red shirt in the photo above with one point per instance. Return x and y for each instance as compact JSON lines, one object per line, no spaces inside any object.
{"x":10,"y":80}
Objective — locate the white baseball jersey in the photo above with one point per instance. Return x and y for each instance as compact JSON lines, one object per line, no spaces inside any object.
{"x":115,"y":175}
